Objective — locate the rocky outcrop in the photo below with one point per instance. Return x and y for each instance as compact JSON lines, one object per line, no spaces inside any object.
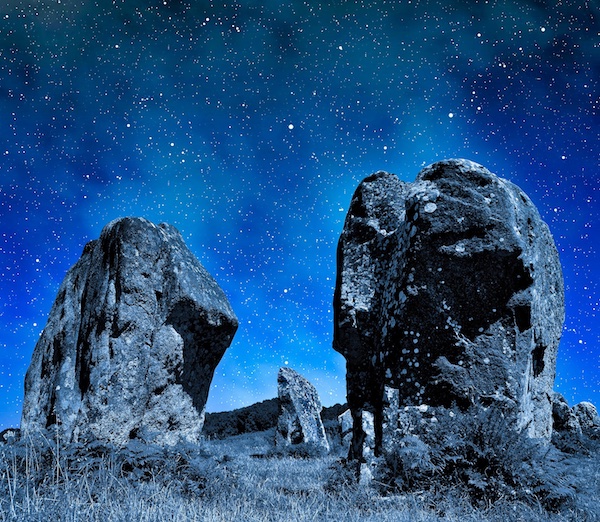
{"x":564,"y":420}
{"x":132,"y":341}
{"x":587,"y":416}
{"x":300,"y":408}
{"x":449,"y":294}
{"x":580,"y":420}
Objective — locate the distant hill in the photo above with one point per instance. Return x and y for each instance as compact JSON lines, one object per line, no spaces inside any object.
{"x":256,"y":417}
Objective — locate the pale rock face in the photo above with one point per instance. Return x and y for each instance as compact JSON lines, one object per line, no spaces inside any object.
{"x":299,"y":412}
{"x":132,"y":341}
{"x":449,"y":293}
{"x":345,"y":422}
{"x":587,"y":415}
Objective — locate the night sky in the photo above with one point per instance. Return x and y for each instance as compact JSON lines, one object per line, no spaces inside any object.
{"x":249,"y":125}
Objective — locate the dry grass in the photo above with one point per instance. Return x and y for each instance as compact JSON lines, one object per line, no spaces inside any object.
{"x":40,"y":481}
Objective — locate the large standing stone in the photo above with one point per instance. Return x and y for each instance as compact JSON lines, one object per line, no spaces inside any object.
{"x":449,"y":294}
{"x":299,"y":412}
{"x":132,"y":341}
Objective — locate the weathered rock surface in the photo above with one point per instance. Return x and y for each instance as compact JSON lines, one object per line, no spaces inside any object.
{"x":563,"y":417}
{"x":345,"y":422}
{"x":9,"y":435}
{"x":587,"y":415}
{"x":300,"y":408}
{"x":449,"y":293}
{"x":132,"y":341}
{"x":581,"y":419}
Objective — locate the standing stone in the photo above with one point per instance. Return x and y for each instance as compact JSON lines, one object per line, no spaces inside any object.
{"x":132,"y":341}
{"x":345,"y":422}
{"x":449,"y":294}
{"x":299,"y":412}
{"x":376,"y":211}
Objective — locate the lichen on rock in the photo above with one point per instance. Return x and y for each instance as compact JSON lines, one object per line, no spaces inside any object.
{"x":449,"y":294}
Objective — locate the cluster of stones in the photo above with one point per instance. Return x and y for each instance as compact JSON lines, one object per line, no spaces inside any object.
{"x":449,"y":295}
{"x":131,"y":344}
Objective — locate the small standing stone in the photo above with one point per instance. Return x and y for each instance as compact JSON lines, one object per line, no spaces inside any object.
{"x":299,"y":412}
{"x":345,"y":422}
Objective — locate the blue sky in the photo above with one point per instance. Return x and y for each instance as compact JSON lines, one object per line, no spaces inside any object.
{"x":248,"y":126}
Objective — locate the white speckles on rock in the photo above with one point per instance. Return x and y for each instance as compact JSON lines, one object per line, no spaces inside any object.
{"x":466,"y":242}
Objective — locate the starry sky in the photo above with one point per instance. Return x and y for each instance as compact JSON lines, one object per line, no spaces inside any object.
{"x":249,"y":125}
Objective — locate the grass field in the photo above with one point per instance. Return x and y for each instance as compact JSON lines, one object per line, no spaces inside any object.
{"x":234,"y":479}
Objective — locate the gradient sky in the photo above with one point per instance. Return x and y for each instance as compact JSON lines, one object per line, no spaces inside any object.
{"x":249,"y":125}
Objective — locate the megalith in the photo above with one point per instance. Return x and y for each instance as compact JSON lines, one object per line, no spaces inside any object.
{"x":299,"y":420}
{"x":449,"y":294}
{"x":132,"y":341}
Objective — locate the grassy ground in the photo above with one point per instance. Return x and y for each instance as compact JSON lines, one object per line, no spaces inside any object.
{"x":226,"y":481}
